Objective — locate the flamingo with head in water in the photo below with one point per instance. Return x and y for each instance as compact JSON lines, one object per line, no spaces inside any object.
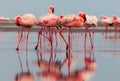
{"x":25,"y":21}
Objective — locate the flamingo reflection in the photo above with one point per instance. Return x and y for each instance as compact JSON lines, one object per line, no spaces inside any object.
{"x":23,"y":75}
{"x":51,"y":70}
{"x":85,"y":73}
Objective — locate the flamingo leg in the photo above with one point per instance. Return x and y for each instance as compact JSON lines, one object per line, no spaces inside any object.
{"x":63,"y":37}
{"x":27,"y":39}
{"x":91,"y":40}
{"x":56,"y":37}
{"x":36,"y":47}
{"x":106,"y":30}
{"x":115,"y":30}
{"x":85,"y":40}
{"x":40,"y":32}
{"x":17,"y":48}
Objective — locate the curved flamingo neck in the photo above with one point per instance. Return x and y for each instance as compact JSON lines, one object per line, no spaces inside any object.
{"x":51,"y":9}
{"x":17,"y":21}
{"x":83,"y":15}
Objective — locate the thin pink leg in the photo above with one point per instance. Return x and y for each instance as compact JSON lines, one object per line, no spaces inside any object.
{"x":36,"y":47}
{"x":115,"y":36}
{"x":91,"y":40}
{"x":56,"y":37}
{"x":27,"y":39}
{"x":85,"y":40}
{"x":63,"y":37}
{"x":17,"y":48}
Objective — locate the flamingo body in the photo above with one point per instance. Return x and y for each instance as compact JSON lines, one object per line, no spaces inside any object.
{"x":106,"y":21}
{"x":24,"y":21}
{"x":91,"y":21}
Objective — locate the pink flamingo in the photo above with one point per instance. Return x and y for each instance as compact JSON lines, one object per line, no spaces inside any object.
{"x":25,"y":21}
{"x":106,"y":21}
{"x":116,"y":21}
{"x":91,"y":21}
{"x":70,"y":21}
{"x":48,"y":20}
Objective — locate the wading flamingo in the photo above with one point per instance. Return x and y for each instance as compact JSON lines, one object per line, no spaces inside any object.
{"x":116,"y":22}
{"x":91,"y":21}
{"x":50,"y":21}
{"x":24,"y":21}
{"x":71,"y":21}
{"x":106,"y":21}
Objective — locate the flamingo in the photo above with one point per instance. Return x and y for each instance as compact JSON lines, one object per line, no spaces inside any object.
{"x":116,"y":21}
{"x":25,"y":21}
{"x":70,"y":21}
{"x":91,"y":21}
{"x":48,"y":20}
{"x":106,"y":21}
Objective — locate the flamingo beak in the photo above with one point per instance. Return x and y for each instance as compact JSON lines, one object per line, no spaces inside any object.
{"x":52,"y":10}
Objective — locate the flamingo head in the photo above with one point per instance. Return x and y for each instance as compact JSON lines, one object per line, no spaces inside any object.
{"x":51,"y":9}
{"x":16,"y":20}
{"x":114,"y":17}
{"x":83,"y":15}
{"x":103,"y":17}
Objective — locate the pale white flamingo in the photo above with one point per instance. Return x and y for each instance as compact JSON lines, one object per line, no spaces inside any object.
{"x":106,"y":21}
{"x":25,"y":21}
{"x":49,"y":20}
{"x":71,"y":21}
{"x":91,"y":21}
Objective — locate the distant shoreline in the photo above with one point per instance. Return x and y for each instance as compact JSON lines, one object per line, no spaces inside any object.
{"x":9,"y":26}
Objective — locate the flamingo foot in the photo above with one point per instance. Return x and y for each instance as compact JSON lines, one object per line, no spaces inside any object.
{"x":36,"y":47}
{"x":92,"y":46}
{"x":17,"y":49}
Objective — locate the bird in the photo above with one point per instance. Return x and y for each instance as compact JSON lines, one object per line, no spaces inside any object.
{"x":49,"y":21}
{"x":116,"y":21}
{"x":116,"y":24}
{"x":70,"y":21}
{"x":24,"y":21}
{"x":91,"y":21}
{"x":106,"y":21}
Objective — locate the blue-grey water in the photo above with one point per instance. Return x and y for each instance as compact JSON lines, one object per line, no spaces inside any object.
{"x":106,"y":53}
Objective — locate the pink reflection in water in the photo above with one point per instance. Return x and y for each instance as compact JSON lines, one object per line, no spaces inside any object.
{"x":23,"y":75}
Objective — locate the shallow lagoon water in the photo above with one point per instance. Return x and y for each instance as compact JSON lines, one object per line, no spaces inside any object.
{"x":106,"y":53}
